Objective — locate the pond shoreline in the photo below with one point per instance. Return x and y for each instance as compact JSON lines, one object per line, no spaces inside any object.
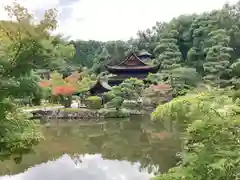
{"x":84,"y":113}
{"x":72,"y":148}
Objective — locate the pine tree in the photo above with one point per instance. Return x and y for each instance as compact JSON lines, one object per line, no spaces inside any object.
{"x":168,"y":52}
{"x":101,"y":59}
{"x":200,"y":29}
{"x":104,"y":55}
{"x":217,"y":57}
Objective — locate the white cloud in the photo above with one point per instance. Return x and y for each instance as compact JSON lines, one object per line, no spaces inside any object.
{"x":116,"y":19}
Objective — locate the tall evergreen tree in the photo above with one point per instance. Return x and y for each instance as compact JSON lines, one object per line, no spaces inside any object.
{"x":167,"y":52}
{"x":217,"y":57}
{"x":100,"y":60}
{"x":200,"y":28}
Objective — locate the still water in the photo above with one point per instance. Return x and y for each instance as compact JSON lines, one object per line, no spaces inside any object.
{"x":123,"y":149}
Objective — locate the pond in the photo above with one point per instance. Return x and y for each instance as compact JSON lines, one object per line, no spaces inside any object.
{"x":122,"y":149}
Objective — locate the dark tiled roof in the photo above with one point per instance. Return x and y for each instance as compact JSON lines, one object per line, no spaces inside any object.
{"x":129,"y":67}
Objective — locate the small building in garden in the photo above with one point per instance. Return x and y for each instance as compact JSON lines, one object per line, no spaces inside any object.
{"x":134,"y":66}
{"x":100,"y":87}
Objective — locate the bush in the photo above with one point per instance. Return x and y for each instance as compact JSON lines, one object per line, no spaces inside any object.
{"x":107,"y":97}
{"x":184,"y":110}
{"x":116,"y":103}
{"x":113,"y":113}
{"x":93,"y":102}
{"x":158,"y":94}
{"x":211,"y":137}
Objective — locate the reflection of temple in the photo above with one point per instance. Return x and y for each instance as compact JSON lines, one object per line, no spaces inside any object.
{"x":137,"y":66}
{"x":135,"y":140}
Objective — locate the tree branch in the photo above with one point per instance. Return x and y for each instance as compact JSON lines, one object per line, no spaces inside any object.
{"x":20,"y":44}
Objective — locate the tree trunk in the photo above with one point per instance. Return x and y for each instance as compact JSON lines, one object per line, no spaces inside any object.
{"x":68,"y":102}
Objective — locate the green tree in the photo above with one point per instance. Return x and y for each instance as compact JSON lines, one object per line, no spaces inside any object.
{"x":85,"y":52}
{"x":210,"y":146}
{"x":129,"y":89}
{"x":217,"y":57}
{"x":183,"y":79}
{"x":101,"y":59}
{"x":30,"y":89}
{"x":19,"y":54}
{"x":57,"y":54}
{"x":117,"y":51}
{"x":200,"y":28}
{"x":168,"y":53}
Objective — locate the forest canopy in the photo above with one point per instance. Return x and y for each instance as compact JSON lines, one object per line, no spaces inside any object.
{"x":207,"y":42}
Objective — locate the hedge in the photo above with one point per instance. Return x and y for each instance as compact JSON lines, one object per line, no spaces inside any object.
{"x":93,"y":102}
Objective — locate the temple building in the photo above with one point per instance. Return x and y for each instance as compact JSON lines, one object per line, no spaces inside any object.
{"x":100,"y":87}
{"x":136,"y":66}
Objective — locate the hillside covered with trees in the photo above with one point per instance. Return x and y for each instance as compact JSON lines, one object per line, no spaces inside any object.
{"x":208,"y":43}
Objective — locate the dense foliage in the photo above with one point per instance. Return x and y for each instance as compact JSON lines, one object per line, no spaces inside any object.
{"x":62,"y":89}
{"x":158,"y":94}
{"x":87,"y":52}
{"x":129,"y":89}
{"x":211,"y":139}
{"x":205,"y":45}
{"x":22,"y":52}
{"x":93,"y":102}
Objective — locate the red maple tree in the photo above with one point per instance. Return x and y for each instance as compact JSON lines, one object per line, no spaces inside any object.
{"x":67,"y":87}
{"x":65,"y":90}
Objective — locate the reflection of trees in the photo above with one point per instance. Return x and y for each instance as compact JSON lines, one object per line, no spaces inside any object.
{"x":121,"y":140}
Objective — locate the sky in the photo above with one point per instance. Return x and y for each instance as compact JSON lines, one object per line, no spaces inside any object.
{"x":105,"y":20}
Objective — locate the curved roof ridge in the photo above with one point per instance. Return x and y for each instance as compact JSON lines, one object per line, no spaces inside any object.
{"x":102,"y":82}
{"x":105,"y":84}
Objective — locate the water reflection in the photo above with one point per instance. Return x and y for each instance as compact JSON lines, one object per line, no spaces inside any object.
{"x":92,"y":167}
{"x":135,"y":140}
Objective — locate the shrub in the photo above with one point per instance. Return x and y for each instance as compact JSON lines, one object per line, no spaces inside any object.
{"x":93,"y":102}
{"x":116,"y":103}
{"x":211,"y":138}
{"x":129,"y":89}
{"x":108,"y":97}
{"x":184,"y":110}
{"x":211,"y":151}
{"x":113,"y":113}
